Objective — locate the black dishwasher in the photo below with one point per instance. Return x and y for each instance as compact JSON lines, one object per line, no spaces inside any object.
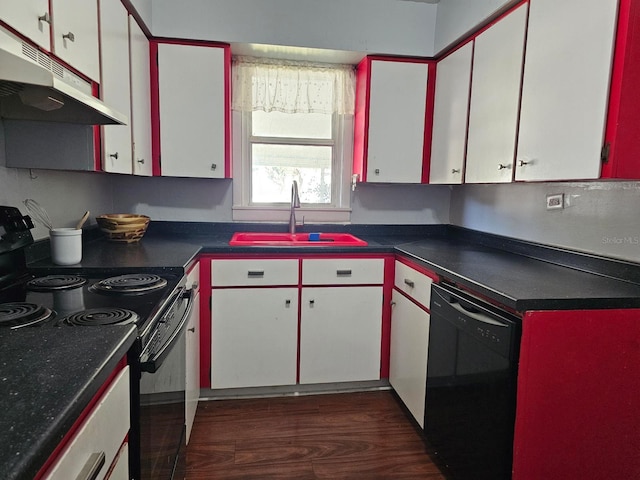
{"x":471,"y":385}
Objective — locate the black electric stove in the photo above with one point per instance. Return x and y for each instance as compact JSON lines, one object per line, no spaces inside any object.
{"x":158,"y":304}
{"x":62,"y":299}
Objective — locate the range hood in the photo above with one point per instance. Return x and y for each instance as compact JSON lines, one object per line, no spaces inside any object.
{"x":33,"y":86}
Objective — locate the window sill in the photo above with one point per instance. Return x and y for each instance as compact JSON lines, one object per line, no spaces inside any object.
{"x":281,"y":214}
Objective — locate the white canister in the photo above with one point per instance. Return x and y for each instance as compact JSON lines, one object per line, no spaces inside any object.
{"x":66,"y":245}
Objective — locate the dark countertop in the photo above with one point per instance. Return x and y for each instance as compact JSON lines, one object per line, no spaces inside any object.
{"x":48,"y":375}
{"x":518,"y":274}
{"x":54,"y":375}
{"x":520,"y":282}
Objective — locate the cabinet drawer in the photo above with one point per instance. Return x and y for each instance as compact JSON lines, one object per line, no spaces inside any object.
{"x":103,"y":431}
{"x":413,"y":283}
{"x":252,"y":272}
{"x":347,"y":271}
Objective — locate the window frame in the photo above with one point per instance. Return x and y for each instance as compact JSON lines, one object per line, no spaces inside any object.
{"x":340,"y":208}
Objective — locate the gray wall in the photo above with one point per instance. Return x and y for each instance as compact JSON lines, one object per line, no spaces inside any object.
{"x":457,"y":17}
{"x":599,"y":217}
{"x":370,"y":26}
{"x":64,"y":195}
{"x":205,"y":200}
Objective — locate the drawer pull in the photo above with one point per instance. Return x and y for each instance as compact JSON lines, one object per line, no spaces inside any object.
{"x":45,"y":18}
{"x":93,"y":466}
{"x":409,"y":283}
{"x":287,"y":303}
{"x":343,"y":273}
{"x":255,"y":273}
{"x":312,"y":303}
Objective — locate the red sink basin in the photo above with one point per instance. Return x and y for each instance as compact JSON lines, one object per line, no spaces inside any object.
{"x":297,"y":239}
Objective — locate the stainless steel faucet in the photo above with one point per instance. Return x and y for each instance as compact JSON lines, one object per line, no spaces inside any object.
{"x":295,"y":203}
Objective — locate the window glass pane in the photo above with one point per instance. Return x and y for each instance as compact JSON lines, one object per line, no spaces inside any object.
{"x":274,"y":167}
{"x":292,"y":125}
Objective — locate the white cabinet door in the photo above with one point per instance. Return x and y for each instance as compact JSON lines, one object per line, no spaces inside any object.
{"x":565,"y":89}
{"x":495,"y":99}
{"x":408,"y":354}
{"x":192,"y":384}
{"x":29,"y":17}
{"x":103,"y":431}
{"x":398,"y":93}
{"x":140,"y":100}
{"x":75,"y":35}
{"x":340,"y":334}
{"x":115,"y":86}
{"x":192,"y":110}
{"x":450,"y":114}
{"x":254,"y":337}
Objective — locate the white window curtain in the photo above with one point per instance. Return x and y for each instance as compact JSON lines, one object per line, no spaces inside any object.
{"x":292,"y":86}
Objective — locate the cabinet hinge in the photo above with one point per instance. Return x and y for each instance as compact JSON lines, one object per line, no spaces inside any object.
{"x":604,"y":153}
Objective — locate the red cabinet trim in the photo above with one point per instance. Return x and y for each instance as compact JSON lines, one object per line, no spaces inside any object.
{"x":155,"y":99}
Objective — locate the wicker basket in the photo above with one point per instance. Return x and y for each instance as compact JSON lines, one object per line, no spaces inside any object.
{"x":123,"y":227}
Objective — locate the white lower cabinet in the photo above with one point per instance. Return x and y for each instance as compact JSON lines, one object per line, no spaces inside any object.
{"x":408,"y":354}
{"x":254,"y":337}
{"x":283,"y":321}
{"x":192,"y":351}
{"x":340,"y":334}
{"x":99,"y":439}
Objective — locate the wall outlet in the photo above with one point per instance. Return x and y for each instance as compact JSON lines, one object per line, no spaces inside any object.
{"x":555,"y":201}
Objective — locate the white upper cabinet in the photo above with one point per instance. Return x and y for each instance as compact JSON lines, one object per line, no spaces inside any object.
{"x":29,"y":17}
{"x":397,"y":110}
{"x":140,"y":99}
{"x":115,"y":84}
{"x":192,"y":97}
{"x":495,"y":99}
{"x":75,"y":35}
{"x":565,"y":89}
{"x":450,"y":114}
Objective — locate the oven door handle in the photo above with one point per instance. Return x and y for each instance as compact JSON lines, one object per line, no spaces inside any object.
{"x":155,"y":362}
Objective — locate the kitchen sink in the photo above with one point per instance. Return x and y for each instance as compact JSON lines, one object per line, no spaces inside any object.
{"x":258,"y":239}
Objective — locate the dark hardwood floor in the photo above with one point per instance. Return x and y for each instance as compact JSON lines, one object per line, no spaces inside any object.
{"x":338,"y":436}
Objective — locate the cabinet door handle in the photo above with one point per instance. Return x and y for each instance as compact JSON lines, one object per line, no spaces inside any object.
{"x":287,"y":303}
{"x":409,"y":283}
{"x":45,"y":18}
{"x":455,"y":170}
{"x":502,"y":166}
{"x":214,"y":166}
{"x":522,"y":163}
{"x":141,"y":160}
{"x":69,"y":36}
{"x":114,"y":155}
{"x":312,"y":303}
{"x":343,"y":273}
{"x":255,"y":273}
{"x":377,"y":171}
{"x":192,"y":329}
{"x":93,"y":466}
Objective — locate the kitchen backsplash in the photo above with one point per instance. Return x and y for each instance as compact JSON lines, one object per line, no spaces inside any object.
{"x":598,"y":217}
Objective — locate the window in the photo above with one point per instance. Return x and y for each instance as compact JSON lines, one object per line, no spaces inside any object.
{"x":293,"y":125}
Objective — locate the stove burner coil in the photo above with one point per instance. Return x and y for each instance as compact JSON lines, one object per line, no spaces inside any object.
{"x":55,"y":282}
{"x":100,"y":316}
{"x":133,"y":284}
{"x":19,"y":314}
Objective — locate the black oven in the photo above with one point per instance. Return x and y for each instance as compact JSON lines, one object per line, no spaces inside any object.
{"x":471,"y":385}
{"x":162,"y":422}
{"x":157,"y":302}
